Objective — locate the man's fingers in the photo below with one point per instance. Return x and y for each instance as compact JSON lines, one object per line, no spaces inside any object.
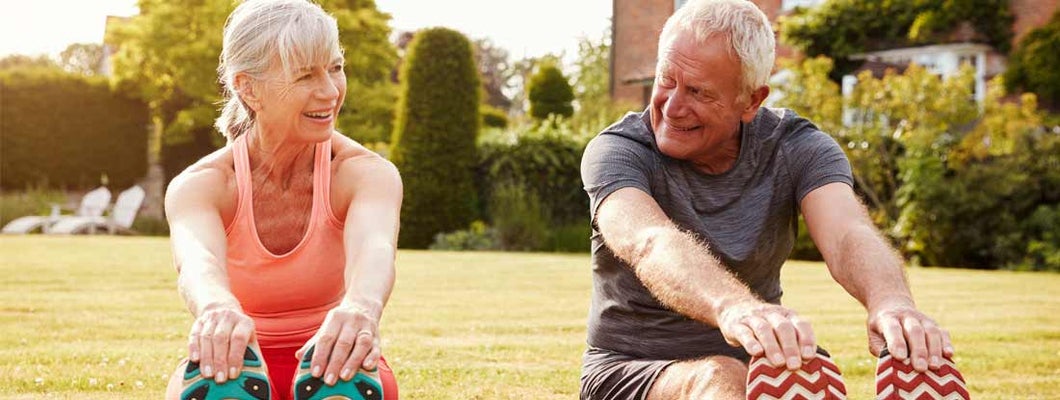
{"x":934,"y":344}
{"x":784,"y":331}
{"x":893,"y":336}
{"x":743,"y":336}
{"x":947,"y":344}
{"x":806,"y":337}
{"x":763,"y":331}
{"x":914,"y":334}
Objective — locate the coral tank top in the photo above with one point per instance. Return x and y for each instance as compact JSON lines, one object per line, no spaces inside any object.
{"x":287,"y":295}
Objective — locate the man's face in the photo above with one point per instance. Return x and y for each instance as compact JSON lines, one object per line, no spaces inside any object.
{"x":696,"y":105}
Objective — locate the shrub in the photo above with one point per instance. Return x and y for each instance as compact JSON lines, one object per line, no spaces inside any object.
{"x":35,"y":201}
{"x":477,"y":237}
{"x":493,"y":117}
{"x":435,"y":130}
{"x":1033,"y":66}
{"x":519,"y":218}
{"x":550,"y":93}
{"x":570,"y":238}
{"x":545,"y":159}
{"x":65,"y":131}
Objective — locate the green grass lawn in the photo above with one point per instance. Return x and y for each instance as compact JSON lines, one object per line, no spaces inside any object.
{"x":100,"y":318}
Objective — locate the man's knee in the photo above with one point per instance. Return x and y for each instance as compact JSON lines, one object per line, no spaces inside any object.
{"x":715,"y":377}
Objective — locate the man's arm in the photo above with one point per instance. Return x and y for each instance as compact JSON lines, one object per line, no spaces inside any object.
{"x":868,"y":268}
{"x":682,"y":273}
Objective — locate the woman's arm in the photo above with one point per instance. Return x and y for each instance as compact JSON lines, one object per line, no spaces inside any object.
{"x":350,"y":333}
{"x":221,"y":331}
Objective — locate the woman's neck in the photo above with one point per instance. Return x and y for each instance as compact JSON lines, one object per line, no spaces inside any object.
{"x":276,"y":158}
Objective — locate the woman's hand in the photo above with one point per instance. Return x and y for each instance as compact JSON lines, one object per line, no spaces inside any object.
{"x":218,"y":341}
{"x":347,"y":341}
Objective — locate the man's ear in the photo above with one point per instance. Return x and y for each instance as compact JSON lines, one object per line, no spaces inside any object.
{"x":247,"y":91}
{"x":757,"y":97}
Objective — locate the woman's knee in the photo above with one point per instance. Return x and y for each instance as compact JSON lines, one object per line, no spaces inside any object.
{"x":176,"y":381}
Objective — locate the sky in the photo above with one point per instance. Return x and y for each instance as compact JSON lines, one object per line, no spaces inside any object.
{"x":526,"y":28}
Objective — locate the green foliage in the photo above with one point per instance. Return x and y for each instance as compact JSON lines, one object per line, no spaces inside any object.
{"x":434,"y":137}
{"x":32,"y":201}
{"x":477,"y":237}
{"x":493,"y":117}
{"x":96,"y":132}
{"x":592,"y":87}
{"x":550,"y":93}
{"x":174,"y":70}
{"x":544,"y":159}
{"x":570,"y":238}
{"x":841,"y":28}
{"x":949,"y":183}
{"x":1033,"y":66}
{"x":520,"y":220}
{"x":82,"y":58}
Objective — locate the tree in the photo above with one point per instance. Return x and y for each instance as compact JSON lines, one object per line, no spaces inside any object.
{"x":592,"y":89}
{"x":174,"y":70}
{"x":82,"y":58}
{"x":841,"y":28}
{"x":550,"y":92}
{"x":20,"y":61}
{"x":496,"y":71}
{"x":1033,"y":66}
{"x":435,"y":130}
{"x":951,"y":184}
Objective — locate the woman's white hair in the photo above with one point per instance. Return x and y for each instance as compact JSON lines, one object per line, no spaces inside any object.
{"x":741,"y":22}
{"x":297,"y":33}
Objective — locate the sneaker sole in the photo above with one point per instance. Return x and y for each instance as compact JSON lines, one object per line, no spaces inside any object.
{"x":897,"y":380}
{"x":818,"y":379}
{"x":251,"y":384}
{"x":365,"y":385}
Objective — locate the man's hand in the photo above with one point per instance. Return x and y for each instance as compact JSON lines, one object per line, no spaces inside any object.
{"x":762,"y":328}
{"x":908,"y":334}
{"x":347,"y":341}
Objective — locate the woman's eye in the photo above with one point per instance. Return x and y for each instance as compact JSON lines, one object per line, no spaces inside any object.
{"x":337,"y":68}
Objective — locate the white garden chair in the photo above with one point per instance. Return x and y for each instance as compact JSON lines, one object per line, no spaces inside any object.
{"x":93,"y":204}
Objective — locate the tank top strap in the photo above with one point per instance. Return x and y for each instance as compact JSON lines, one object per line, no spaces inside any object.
{"x":243,"y":180}
{"x":322,"y":182}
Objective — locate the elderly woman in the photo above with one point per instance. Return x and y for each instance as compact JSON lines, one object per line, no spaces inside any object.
{"x":284,"y":240}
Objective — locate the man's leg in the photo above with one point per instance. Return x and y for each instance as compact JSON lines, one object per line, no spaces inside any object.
{"x":715,"y":377}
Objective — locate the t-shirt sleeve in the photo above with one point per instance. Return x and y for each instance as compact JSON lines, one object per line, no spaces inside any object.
{"x":612,"y":162}
{"x":816,"y":160}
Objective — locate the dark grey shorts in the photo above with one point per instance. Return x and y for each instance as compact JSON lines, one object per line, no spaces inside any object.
{"x":608,"y":375}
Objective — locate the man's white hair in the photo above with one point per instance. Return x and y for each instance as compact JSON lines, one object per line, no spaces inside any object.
{"x":739,"y":21}
{"x":297,"y":33}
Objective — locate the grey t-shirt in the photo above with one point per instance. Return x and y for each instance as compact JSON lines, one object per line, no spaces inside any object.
{"x":748,"y":215}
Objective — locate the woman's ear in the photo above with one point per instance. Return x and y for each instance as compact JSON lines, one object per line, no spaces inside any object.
{"x":247,"y":91}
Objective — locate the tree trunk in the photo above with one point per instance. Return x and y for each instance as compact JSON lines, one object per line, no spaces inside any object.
{"x":154,"y":182}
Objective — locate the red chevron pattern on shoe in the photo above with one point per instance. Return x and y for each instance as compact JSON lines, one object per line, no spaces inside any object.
{"x":818,"y":379}
{"x":897,"y":380}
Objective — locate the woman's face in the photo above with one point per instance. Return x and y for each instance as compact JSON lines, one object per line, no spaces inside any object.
{"x":304,"y":103}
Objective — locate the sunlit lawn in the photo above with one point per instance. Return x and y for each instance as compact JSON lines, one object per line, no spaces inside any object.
{"x":100,"y":318}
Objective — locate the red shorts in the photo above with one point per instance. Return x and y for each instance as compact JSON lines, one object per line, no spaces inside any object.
{"x":283,"y":365}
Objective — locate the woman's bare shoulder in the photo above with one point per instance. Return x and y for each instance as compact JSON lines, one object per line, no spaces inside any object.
{"x":212,"y":174}
{"x":347,"y":153}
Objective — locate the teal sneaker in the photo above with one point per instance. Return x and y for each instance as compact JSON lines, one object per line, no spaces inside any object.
{"x":251,"y":384}
{"x":365,"y":385}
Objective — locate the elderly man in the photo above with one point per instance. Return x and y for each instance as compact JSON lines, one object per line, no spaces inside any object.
{"x":694,"y":206}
